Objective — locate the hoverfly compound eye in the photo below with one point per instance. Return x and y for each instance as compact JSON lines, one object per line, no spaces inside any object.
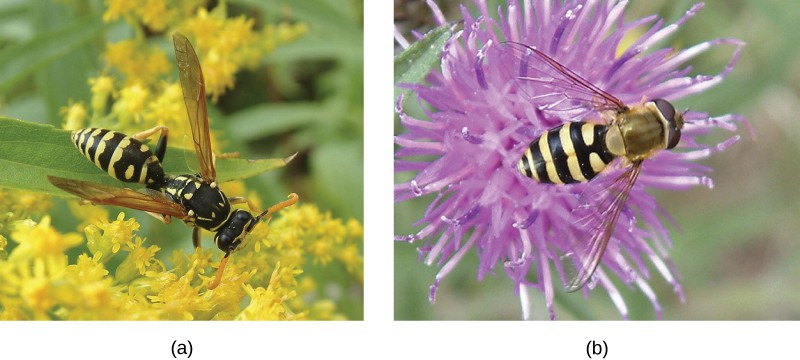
{"x":674,"y":121}
{"x":665,"y":108}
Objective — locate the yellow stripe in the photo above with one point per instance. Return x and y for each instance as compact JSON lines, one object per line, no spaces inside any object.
{"x":101,"y":147}
{"x":521,"y":164}
{"x":544,"y":148}
{"x":147,"y":163}
{"x":587,"y":131}
{"x":89,"y":146}
{"x":129,"y":172}
{"x":575,"y":168}
{"x":566,"y":140}
{"x":597,"y":164}
{"x":76,"y":134}
{"x":569,"y":150}
{"x":117,"y":155}
{"x":81,"y":138}
{"x":531,"y":164}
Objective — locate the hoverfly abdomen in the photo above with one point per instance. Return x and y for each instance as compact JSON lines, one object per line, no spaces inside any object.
{"x":121,"y":156}
{"x":571,"y":153}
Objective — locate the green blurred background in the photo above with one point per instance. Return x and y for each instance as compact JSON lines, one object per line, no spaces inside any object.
{"x":306,"y":97}
{"x":737,"y":252}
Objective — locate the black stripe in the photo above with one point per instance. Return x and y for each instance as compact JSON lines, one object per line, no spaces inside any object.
{"x":131,"y":156}
{"x":581,"y":150}
{"x":526,"y":166}
{"x":111,"y":145}
{"x":599,"y":145}
{"x":559,"y":156}
{"x":92,"y":150}
{"x":82,"y":144}
{"x":538,"y":162}
{"x":584,"y":151}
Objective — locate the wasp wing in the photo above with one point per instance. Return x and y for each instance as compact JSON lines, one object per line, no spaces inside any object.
{"x":545,"y":80}
{"x":597,"y":221}
{"x":194,"y":95}
{"x":108,"y":195}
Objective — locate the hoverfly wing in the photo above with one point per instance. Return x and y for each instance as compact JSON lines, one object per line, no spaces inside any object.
{"x":597,"y":219}
{"x":194,"y":95}
{"x":99,"y":194}
{"x":544,"y":78}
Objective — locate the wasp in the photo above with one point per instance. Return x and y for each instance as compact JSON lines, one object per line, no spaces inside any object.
{"x":196,"y":199}
{"x":576,"y":152}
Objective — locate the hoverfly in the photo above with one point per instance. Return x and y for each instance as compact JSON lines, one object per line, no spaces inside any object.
{"x":194,"y":198}
{"x":575,"y":152}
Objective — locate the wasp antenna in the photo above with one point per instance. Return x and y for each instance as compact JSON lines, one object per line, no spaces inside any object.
{"x":286,"y":203}
{"x":217,"y":279}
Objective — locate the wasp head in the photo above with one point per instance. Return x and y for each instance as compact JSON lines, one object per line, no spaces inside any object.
{"x":232,"y":233}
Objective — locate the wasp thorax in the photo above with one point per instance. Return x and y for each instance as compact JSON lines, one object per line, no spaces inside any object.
{"x":231,"y":234}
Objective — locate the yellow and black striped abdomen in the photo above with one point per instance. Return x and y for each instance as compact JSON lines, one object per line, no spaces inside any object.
{"x":121,"y":156}
{"x":571,"y":153}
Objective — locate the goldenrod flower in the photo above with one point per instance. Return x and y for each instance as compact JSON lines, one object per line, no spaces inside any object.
{"x":102,"y":87}
{"x":131,"y":103}
{"x":75,"y":115}
{"x":137,"y":61}
{"x":40,"y":240}
{"x":107,"y":237}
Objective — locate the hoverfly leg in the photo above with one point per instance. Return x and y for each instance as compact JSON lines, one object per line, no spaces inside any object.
{"x":161,"y":147}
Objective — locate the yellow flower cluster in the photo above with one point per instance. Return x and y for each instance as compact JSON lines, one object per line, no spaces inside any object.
{"x":21,"y":204}
{"x":134,"y":81}
{"x":38,"y":281}
{"x":111,"y":272}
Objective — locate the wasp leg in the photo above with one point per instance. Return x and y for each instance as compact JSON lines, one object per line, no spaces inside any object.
{"x":242,"y":200}
{"x":161,"y":147}
{"x":196,"y":237}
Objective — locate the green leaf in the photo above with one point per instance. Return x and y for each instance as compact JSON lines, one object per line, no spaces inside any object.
{"x":30,"y":152}
{"x":17,"y":62}
{"x":342,"y":161}
{"x":411,"y":66}
{"x":269,"y":119}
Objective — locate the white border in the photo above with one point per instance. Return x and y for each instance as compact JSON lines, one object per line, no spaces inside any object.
{"x":379,"y":336}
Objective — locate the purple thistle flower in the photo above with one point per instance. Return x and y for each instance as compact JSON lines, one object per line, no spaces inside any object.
{"x":482,"y":117}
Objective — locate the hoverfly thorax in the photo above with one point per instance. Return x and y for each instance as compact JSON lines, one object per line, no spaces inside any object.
{"x":646,"y":129}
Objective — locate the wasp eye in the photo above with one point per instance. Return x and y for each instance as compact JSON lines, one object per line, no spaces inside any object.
{"x":223,"y":241}
{"x":243,"y":215}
